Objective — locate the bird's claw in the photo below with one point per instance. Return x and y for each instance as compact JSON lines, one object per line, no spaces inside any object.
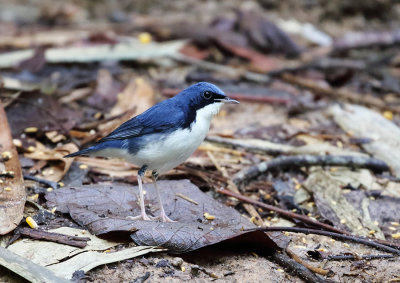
{"x":164,"y":218}
{"x":144,"y":217}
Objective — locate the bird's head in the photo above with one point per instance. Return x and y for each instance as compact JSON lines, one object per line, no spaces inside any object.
{"x":205,"y":97}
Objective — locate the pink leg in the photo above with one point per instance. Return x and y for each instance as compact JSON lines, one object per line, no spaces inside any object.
{"x":163,"y":216}
{"x":143,"y":214}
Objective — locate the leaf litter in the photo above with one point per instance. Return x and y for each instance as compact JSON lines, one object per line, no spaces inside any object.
{"x":259,"y":53}
{"x":103,"y":209}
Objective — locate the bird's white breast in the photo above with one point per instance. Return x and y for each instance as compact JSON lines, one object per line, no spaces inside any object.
{"x":164,"y":154}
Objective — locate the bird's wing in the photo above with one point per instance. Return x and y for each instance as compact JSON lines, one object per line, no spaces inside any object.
{"x":161,"y":117}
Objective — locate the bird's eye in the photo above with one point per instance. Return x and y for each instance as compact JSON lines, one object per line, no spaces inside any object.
{"x":207,"y":94}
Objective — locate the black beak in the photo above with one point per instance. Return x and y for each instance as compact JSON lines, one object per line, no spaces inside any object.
{"x":229,"y":100}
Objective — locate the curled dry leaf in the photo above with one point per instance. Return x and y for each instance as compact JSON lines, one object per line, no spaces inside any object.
{"x":138,"y":93}
{"x":12,"y":191}
{"x":103,"y":209}
{"x":56,"y":170}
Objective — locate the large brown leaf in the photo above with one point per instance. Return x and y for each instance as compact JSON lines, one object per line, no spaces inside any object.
{"x":12,"y":191}
{"x":103,"y":209}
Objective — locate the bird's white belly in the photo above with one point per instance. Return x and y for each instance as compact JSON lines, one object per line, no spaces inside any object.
{"x":165,"y":154}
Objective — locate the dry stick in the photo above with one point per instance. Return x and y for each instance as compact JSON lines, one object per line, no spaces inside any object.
{"x":249,"y":208}
{"x":358,"y":98}
{"x":74,"y":241}
{"x":48,"y":183}
{"x":309,"y":266}
{"x":292,"y":215}
{"x":310,"y":160}
{"x":267,"y":148}
{"x":296,"y":268}
{"x":355,"y":239}
{"x":358,"y":257}
{"x":283,"y":212}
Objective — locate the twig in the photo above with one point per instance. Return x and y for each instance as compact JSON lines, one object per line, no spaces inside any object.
{"x":232,"y":187}
{"x":79,"y":242}
{"x":310,"y":160}
{"x":27,"y":269}
{"x":250,"y":76}
{"x":358,"y":98}
{"x":169,"y":92}
{"x":296,"y":268}
{"x":358,"y":257}
{"x":283,"y":212}
{"x":309,"y":266}
{"x":355,"y":239}
{"x":187,"y":198}
{"x":48,"y":183}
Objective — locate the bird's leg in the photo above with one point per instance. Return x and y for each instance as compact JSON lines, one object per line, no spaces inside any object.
{"x":143,"y":214}
{"x":163,"y":216}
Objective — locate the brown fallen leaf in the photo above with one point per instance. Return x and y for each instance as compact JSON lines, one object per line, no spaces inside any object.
{"x":12,"y":191}
{"x":138,"y":93}
{"x":104,"y":208}
{"x":56,"y":170}
{"x":105,"y":94}
{"x":44,"y":112}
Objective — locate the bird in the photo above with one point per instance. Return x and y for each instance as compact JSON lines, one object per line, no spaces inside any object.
{"x":163,"y":136}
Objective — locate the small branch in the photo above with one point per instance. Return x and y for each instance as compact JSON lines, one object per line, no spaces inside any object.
{"x":296,"y":268}
{"x":310,"y":160}
{"x":283,"y":212}
{"x":358,"y":257}
{"x":309,"y":266}
{"x":45,"y":182}
{"x":351,"y":238}
{"x":79,"y":242}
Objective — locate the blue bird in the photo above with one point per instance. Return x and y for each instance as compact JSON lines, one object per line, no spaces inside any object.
{"x":163,"y":136}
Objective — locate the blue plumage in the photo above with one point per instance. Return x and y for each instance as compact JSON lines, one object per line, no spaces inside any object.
{"x":165,"y":117}
{"x":165,"y":135}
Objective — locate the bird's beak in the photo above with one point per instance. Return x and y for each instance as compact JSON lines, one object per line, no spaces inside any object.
{"x":229,"y":100}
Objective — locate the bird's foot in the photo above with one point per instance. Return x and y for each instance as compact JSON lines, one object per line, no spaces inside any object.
{"x":164,"y":218}
{"x":142,"y":216}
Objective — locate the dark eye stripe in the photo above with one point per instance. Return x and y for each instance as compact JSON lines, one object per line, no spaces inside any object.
{"x":218,"y":96}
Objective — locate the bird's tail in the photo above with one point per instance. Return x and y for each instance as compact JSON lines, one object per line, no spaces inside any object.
{"x":97,"y":148}
{"x":85,"y":151}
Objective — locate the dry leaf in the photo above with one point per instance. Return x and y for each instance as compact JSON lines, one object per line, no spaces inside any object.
{"x":362,"y":122}
{"x":12,"y":191}
{"x":104,"y":208}
{"x":56,"y":170}
{"x":138,"y":93}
